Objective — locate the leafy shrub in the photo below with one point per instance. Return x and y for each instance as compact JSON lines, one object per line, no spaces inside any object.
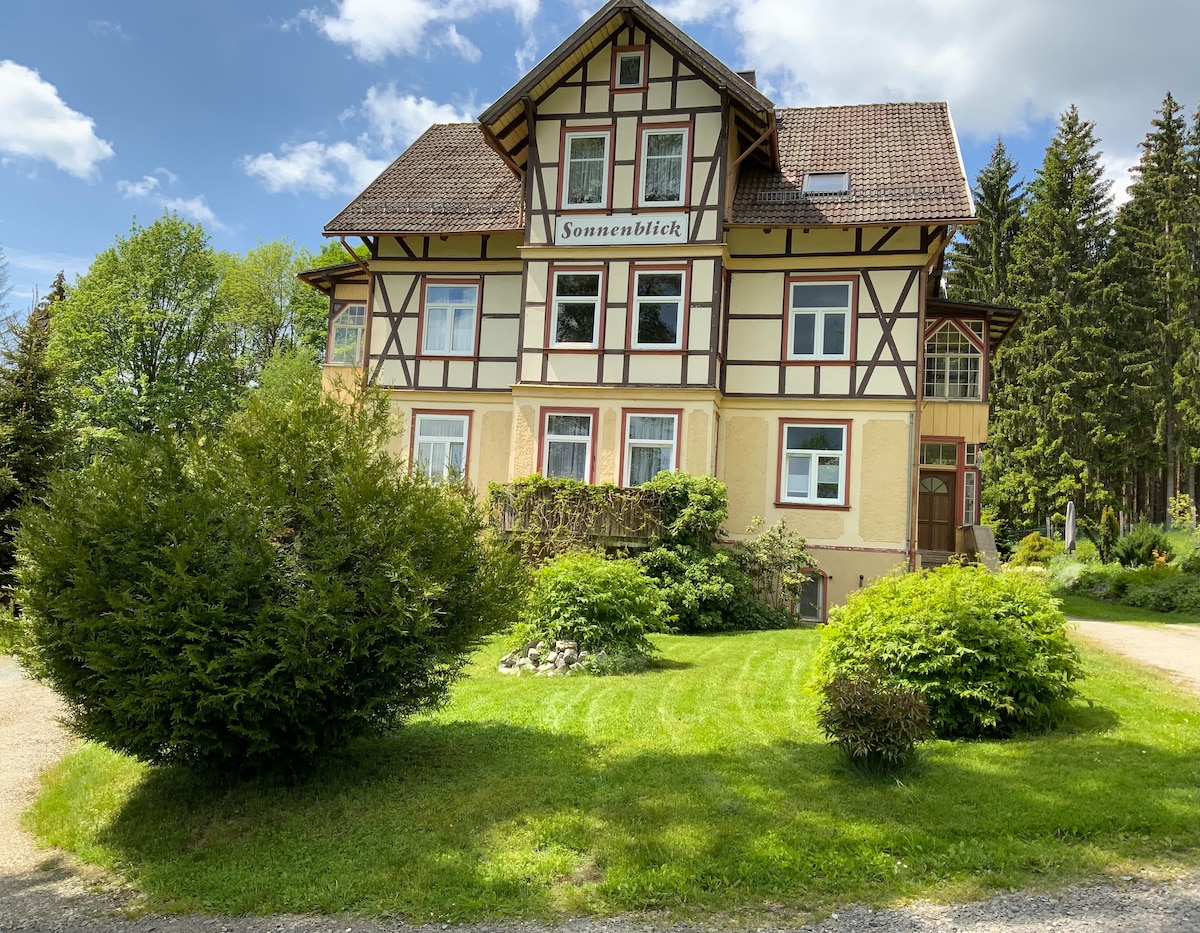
{"x":777,"y":562}
{"x":601,"y":604}
{"x":705,"y":590}
{"x":875,"y":723}
{"x":1086,"y":551}
{"x":693,"y":508}
{"x":249,"y":601}
{"x":1175,"y":593}
{"x":989,"y":652}
{"x":1035,"y":550}
{"x":1190,"y":564}
{"x":1142,"y":546}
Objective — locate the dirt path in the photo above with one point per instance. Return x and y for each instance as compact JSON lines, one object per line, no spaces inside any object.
{"x":1171,"y":648}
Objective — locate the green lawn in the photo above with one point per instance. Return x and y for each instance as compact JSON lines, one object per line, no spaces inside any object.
{"x":702,"y":786}
{"x":1084,"y":607}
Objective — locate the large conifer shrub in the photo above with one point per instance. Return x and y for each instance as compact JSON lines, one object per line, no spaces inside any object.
{"x":251,"y":600}
{"x":988,"y":652}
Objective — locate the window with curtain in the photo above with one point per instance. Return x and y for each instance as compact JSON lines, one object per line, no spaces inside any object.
{"x":567,"y":446}
{"x":657,"y":310}
{"x":576,"y":314}
{"x":450,"y":319}
{"x":347,"y":336}
{"x":952,"y":365}
{"x":663,"y":166}
{"x":587,"y":170}
{"x":440,"y":446}
{"x":649,"y":446}
{"x":820,"y":321}
{"x":814,"y":464}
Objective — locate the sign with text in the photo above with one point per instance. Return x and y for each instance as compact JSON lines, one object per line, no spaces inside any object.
{"x":620,"y":229}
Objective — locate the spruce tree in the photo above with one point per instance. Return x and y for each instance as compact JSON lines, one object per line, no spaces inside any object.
{"x":1159,"y":263}
{"x":981,"y":259}
{"x":1057,"y":430}
{"x":32,"y":438}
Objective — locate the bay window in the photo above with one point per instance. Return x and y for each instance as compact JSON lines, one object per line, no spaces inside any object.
{"x":347,"y":336}
{"x":953,"y":365}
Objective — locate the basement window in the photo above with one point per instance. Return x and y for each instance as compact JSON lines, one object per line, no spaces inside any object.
{"x":827,"y":182}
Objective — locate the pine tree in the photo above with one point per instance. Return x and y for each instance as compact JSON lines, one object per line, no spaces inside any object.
{"x":1159,"y":261}
{"x":32,"y":438}
{"x":1058,"y":429}
{"x":980,"y":261}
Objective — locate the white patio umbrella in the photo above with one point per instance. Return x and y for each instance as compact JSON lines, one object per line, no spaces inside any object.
{"x":1070,"y":532}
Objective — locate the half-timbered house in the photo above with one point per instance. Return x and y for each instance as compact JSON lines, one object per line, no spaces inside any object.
{"x":634,"y":261}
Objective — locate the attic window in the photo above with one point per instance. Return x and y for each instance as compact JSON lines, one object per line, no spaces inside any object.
{"x":827,"y":182}
{"x":629,"y":70}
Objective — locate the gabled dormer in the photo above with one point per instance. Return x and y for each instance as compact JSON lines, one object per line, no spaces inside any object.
{"x":628,"y":134}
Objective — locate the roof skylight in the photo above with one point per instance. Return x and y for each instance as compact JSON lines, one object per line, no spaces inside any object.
{"x":827,"y":182}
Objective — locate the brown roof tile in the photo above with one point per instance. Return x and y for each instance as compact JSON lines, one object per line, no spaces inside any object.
{"x":448,"y":181}
{"x":903,"y":161}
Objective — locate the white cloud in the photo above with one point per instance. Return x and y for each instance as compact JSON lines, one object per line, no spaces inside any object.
{"x":36,"y":124}
{"x":1117,"y":169}
{"x":104,"y":27}
{"x":398,"y":119}
{"x":393,"y":121}
{"x":150,"y":188}
{"x":138,"y":189}
{"x":1004,"y":65}
{"x":375,"y":29}
{"x":196,"y":209}
{"x":314,"y":168}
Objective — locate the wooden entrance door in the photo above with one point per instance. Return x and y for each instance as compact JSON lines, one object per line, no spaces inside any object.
{"x":935,"y":511}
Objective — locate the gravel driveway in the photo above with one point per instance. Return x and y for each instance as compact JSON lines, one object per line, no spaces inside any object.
{"x":45,"y":892}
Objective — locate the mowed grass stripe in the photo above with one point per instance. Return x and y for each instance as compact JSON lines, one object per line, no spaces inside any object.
{"x":700,"y":786}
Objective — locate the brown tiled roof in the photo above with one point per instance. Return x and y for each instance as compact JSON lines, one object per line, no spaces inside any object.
{"x":448,"y":181}
{"x":903,"y":161}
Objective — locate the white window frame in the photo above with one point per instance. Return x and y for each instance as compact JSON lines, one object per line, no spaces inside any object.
{"x":566,"y":169}
{"x":970,"y":496}
{"x":647,"y":132}
{"x":639,"y":54}
{"x":822,"y":314}
{"x":813,"y":456}
{"x":632,"y":443}
{"x":639,"y":300}
{"x":440,"y":472}
{"x":359,"y":331}
{"x":826,"y":182}
{"x":586,"y":440}
{"x":577,"y":300}
{"x":451,"y":309}
{"x":941,"y":379}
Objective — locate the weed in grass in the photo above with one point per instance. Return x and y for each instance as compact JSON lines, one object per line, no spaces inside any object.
{"x":703,"y":788}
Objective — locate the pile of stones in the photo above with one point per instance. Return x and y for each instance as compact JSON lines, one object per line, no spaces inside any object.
{"x":563,"y":657}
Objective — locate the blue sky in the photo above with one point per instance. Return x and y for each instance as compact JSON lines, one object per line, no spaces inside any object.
{"x":263,"y":119}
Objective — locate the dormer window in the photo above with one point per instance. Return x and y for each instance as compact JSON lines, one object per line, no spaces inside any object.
{"x":629,"y":70}
{"x":827,"y":182}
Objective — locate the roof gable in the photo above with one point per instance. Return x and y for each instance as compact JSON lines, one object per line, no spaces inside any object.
{"x":505,"y":122}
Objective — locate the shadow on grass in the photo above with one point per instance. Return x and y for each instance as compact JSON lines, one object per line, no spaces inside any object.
{"x":470,"y":821}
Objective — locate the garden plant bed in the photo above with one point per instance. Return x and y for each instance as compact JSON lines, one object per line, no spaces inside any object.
{"x":702,"y":785}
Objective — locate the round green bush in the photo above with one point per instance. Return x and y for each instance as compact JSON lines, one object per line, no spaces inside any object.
{"x":249,"y":601}
{"x":1143,"y":546}
{"x":1035,"y":550}
{"x":988,"y":652}
{"x":600,"y":604}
